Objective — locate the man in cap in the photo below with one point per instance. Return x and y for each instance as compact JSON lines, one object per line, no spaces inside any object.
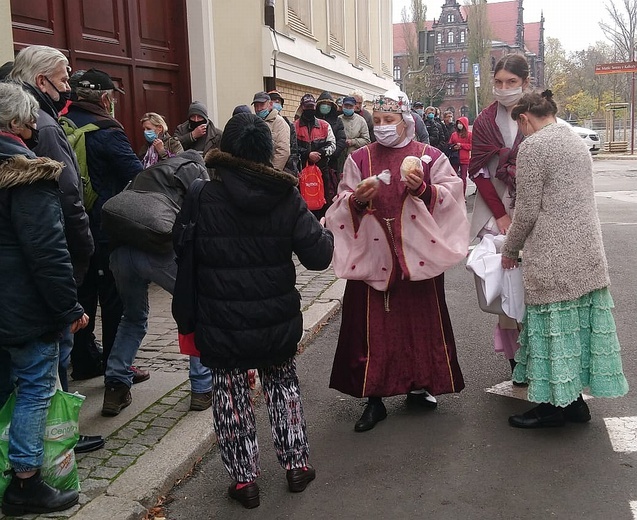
{"x":198,"y":133}
{"x":418,"y":110}
{"x":111,"y":163}
{"x":316,"y":141}
{"x":356,"y":129}
{"x":278,"y":127}
{"x":360,"y":110}
{"x":294,"y":161}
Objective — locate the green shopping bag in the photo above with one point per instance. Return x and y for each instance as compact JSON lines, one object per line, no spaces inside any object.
{"x":62,"y":433}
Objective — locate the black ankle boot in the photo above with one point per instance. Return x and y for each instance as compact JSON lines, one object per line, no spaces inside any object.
{"x":33,"y":495}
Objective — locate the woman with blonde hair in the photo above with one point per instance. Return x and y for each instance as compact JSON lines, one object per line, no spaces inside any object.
{"x":159,"y":144}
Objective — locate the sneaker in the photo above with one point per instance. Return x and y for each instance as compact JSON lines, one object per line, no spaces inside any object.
{"x":200,"y":401}
{"x":34,"y":496}
{"x":299,"y":478}
{"x":139,"y":375}
{"x":116,"y":397}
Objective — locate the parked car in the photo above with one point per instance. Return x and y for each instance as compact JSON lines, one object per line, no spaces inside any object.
{"x":591,"y":137}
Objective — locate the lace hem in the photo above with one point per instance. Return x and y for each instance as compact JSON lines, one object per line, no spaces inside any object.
{"x":567,"y":346}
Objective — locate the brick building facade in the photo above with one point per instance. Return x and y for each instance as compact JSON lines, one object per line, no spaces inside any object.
{"x":451,"y":42}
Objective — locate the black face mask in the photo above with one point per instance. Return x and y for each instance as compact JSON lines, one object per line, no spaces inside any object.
{"x":64,"y":97}
{"x":32,"y":141}
{"x":308,"y":114}
{"x":194,"y":124}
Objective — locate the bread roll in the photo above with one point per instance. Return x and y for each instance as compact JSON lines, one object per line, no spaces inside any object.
{"x":410,"y":164}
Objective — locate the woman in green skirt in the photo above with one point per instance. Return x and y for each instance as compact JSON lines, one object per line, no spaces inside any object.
{"x":568,"y":341}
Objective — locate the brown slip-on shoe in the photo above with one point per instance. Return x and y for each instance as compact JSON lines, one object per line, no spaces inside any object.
{"x":299,"y":478}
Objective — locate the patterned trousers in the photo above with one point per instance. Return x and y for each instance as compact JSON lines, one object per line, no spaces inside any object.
{"x":235,"y":426}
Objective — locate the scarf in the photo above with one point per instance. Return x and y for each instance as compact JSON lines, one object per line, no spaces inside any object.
{"x":487,"y":141}
{"x":150,"y":158}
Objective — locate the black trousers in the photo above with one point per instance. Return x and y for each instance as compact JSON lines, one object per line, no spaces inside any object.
{"x":98,"y":287}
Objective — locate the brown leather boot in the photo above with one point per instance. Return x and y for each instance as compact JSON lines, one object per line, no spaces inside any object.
{"x":116,"y":398}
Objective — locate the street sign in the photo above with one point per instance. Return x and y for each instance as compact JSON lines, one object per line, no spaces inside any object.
{"x":616,"y":68}
{"x":476,"y":75}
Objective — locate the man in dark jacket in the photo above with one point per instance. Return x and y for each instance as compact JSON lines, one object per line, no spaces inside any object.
{"x":327,"y":110}
{"x":43,"y":72}
{"x":112,"y":163}
{"x":316,"y":141}
{"x":250,"y":224}
{"x":198,"y":133}
{"x":134,"y":268}
{"x":417,"y":111}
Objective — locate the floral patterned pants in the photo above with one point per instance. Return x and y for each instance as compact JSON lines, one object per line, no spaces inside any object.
{"x":235,"y":426}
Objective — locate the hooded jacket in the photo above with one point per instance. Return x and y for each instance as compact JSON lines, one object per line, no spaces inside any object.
{"x":205,"y":143}
{"x":338,"y":128}
{"x":36,"y":275}
{"x":250,"y":223}
{"x":465,"y":142}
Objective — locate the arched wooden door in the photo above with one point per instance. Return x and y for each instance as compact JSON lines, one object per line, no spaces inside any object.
{"x":142,"y":44}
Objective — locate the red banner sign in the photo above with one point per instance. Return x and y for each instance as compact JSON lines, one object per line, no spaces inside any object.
{"x":616,"y":68}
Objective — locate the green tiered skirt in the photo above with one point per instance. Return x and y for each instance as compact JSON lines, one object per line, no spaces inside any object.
{"x":568,"y":346}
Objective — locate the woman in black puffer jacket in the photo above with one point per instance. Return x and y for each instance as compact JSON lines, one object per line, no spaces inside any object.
{"x":251,"y":221}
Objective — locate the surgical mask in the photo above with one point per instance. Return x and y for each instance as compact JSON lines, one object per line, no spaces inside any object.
{"x":32,"y":141}
{"x":507,"y":97}
{"x":263,"y":113}
{"x":277,"y":106}
{"x":420,"y":112}
{"x":348,"y":112}
{"x":460,"y":126}
{"x":431,"y":115}
{"x":325,"y":109}
{"x":388,"y":135}
{"x":150,"y":135}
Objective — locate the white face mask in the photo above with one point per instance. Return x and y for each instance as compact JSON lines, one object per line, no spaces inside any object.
{"x":507,"y":97}
{"x":460,"y":126}
{"x":388,"y":135}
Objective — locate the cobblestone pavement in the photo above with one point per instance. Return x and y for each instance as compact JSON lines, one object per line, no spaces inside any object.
{"x":320,"y":298}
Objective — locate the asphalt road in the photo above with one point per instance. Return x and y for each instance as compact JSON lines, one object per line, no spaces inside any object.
{"x":461,"y":461}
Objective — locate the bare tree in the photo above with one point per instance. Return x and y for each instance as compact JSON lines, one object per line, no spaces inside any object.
{"x":479,"y":51}
{"x":623,"y":27}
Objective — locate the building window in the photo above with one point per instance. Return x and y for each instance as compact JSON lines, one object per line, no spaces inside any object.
{"x":300,"y":16}
{"x":362,"y":31}
{"x":451,"y":109}
{"x":464,"y":111}
{"x":462,"y":36}
{"x":464,"y":89}
{"x":450,"y":37}
{"x":397,"y":73}
{"x":439,"y":38}
{"x":451,"y":18}
{"x":451,"y":66}
{"x":337,"y":25}
{"x":451,"y":89}
{"x":464,"y":65}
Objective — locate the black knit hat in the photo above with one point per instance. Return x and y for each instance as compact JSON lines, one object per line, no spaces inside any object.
{"x":247,"y":136}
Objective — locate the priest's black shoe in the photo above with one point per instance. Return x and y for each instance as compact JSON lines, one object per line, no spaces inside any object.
{"x":248,"y":495}
{"x":543,"y":416}
{"x":33,"y":495}
{"x":299,"y":478}
{"x":577,"y":411}
{"x":374,"y":412}
{"x":422,"y":399}
{"x":87,"y":443}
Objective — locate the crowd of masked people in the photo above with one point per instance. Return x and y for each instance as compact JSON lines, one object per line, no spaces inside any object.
{"x":393,"y":221}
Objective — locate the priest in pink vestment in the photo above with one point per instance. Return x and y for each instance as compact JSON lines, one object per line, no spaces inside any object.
{"x":394,"y":236}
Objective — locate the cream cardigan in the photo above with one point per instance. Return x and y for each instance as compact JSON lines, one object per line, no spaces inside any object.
{"x":555,"y":218}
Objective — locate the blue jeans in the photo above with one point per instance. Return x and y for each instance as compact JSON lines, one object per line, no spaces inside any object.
{"x":32,"y":368}
{"x":134,"y":270}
